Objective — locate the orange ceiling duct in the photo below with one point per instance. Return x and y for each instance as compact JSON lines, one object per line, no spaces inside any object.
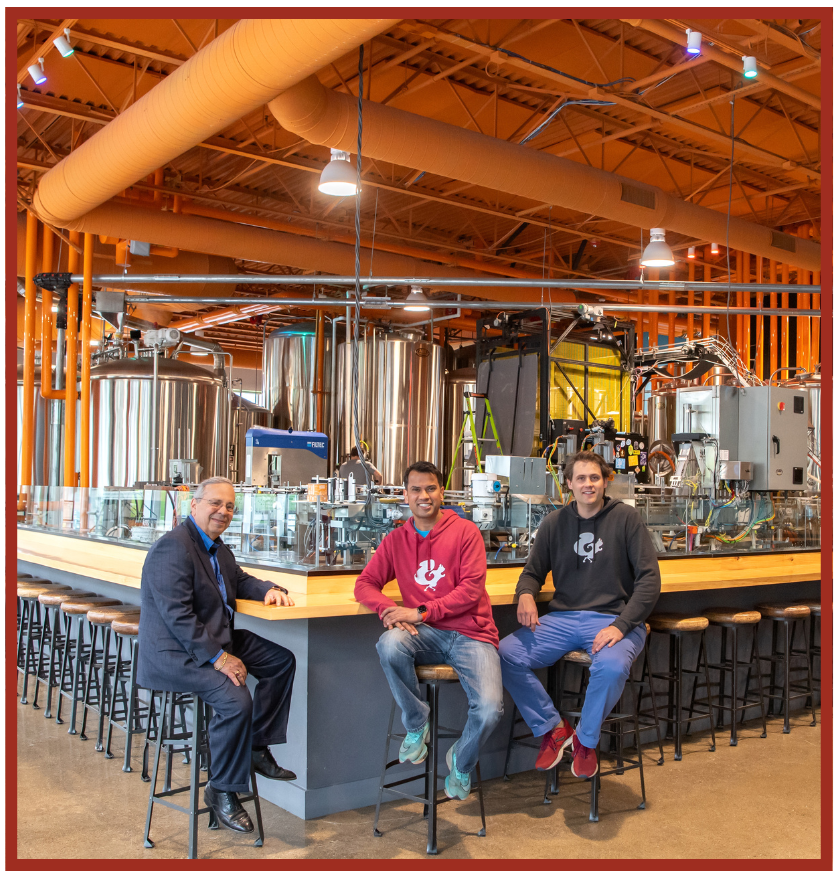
{"x":237,"y":73}
{"x":273,"y":247}
{"x":321,"y":116}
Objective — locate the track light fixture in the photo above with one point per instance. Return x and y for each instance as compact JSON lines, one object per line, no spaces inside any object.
{"x":691,"y":252}
{"x":715,"y":249}
{"x":19,"y":97}
{"x":657,"y":254}
{"x":338,"y":177}
{"x":749,"y":66}
{"x":694,"y":41}
{"x":36,"y":71}
{"x":63,"y":45}
{"x":416,"y":301}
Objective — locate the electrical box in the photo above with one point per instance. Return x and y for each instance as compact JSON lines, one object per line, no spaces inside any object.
{"x":714,"y":411}
{"x":274,"y":457}
{"x":773,"y":436}
{"x":525,"y":474}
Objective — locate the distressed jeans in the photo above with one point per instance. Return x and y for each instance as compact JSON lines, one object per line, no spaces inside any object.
{"x":477,"y":665}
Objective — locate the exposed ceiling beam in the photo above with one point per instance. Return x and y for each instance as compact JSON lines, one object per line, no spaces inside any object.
{"x":43,"y":49}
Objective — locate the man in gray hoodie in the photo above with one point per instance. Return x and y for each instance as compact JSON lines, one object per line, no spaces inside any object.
{"x":607,"y":582}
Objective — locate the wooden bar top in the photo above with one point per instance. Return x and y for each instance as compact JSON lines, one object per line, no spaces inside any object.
{"x":330,"y":594}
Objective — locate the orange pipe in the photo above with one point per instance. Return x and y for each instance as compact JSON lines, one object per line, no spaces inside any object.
{"x":247,"y":65}
{"x":785,"y":360}
{"x":802,"y":302}
{"x":706,"y":297}
{"x":691,"y":278}
{"x":319,"y":115}
{"x":746,"y":277}
{"x":87,"y":317}
{"x":47,"y":390}
{"x":28,"y":402}
{"x":158,"y":181}
{"x":815,"y":346}
{"x":72,"y":336}
{"x":773,"y":320}
{"x":168,"y":252}
{"x":738,"y":297}
{"x":759,"y":321}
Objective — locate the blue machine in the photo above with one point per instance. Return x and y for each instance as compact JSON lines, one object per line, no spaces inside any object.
{"x":274,"y":457}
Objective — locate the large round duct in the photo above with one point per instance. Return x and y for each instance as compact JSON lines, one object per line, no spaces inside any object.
{"x":192,"y":420}
{"x":399,"y":400}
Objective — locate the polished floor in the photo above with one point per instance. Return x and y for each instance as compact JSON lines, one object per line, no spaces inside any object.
{"x":758,"y":800}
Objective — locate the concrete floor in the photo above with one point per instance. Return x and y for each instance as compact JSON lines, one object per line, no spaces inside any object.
{"x":758,"y":800}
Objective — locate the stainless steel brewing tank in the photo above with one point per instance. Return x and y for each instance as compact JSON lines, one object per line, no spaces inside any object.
{"x":288,"y":374}
{"x":454,"y":413}
{"x":661,"y":416}
{"x":192,"y":420}
{"x":243,"y":416}
{"x":400,"y":399}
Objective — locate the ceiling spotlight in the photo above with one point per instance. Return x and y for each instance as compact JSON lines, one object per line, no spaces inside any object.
{"x":62,"y":43}
{"x":19,"y":97}
{"x":749,"y":66}
{"x":416,"y":301}
{"x":691,"y":252}
{"x":36,"y":71}
{"x":694,"y":41}
{"x":657,"y":254}
{"x":715,"y":249}
{"x":339,"y":176}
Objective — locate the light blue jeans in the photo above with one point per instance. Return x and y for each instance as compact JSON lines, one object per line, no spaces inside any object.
{"x":477,"y":665}
{"x":558,"y":633}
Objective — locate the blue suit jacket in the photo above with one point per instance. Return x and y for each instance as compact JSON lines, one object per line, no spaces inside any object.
{"x":183,"y":621}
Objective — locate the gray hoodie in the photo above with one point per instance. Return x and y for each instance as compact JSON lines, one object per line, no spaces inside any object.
{"x":605,"y":563}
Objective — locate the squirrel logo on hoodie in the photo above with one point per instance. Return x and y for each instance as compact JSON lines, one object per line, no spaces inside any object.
{"x":427,"y":575}
{"x":586,"y":547}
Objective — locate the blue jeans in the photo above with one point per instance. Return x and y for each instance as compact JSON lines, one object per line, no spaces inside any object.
{"x":558,"y":633}
{"x":477,"y":665}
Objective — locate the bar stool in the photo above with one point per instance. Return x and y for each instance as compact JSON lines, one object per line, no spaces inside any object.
{"x":814,"y":650}
{"x":101,"y":618}
{"x":54,"y":639}
{"x":23,"y":613}
{"x":196,"y":741}
{"x":676,"y":626}
{"x":125,"y":712}
{"x":31,"y":627}
{"x":733,"y":620}
{"x":76,"y":652}
{"x":613,"y":726}
{"x":787,"y":616}
{"x":432,"y":676}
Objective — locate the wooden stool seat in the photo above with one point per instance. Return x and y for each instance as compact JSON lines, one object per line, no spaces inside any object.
{"x":436,"y":672}
{"x":815,"y":607}
{"x":108,"y":614}
{"x":783,"y":610}
{"x":126,"y":626}
{"x":83,"y":604}
{"x":28,"y":579}
{"x":579,"y":657}
{"x":28,"y":590}
{"x":52,"y":598}
{"x":732,"y":616}
{"x":666,"y":622}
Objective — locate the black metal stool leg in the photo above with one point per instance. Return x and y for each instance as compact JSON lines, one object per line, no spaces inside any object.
{"x":434,"y":692}
{"x":708,"y":688}
{"x":733,"y":737}
{"x":93,"y":633}
{"x":103,"y":693}
{"x":42,"y":647}
{"x":55,"y":639}
{"x":510,"y":744}
{"x":677,"y":671}
{"x":197,"y":721}
{"x":146,"y":839}
{"x":773,"y":657}
{"x":376,"y":831}
{"x":131,"y":709}
{"x":77,"y":675}
{"x":636,"y":719}
{"x":260,"y":833}
{"x":594,"y":812}
{"x":483,"y":830}
{"x":786,"y":674}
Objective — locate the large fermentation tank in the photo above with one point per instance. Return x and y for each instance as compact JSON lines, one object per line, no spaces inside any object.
{"x":192,"y":420}
{"x":289,"y":371}
{"x":244,"y":415}
{"x":458,"y":383}
{"x":661,"y":416}
{"x":400,"y":378}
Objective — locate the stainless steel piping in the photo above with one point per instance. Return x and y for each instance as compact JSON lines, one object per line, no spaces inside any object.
{"x":497,"y":282}
{"x":155,"y":443}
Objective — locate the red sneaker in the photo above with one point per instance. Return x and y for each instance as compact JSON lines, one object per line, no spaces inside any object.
{"x":554,"y":744}
{"x":584,"y":765}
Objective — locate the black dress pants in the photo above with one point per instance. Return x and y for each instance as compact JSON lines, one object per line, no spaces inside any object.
{"x":240,"y":721}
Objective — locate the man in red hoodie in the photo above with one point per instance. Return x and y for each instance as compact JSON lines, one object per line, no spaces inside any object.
{"x":439,"y":562}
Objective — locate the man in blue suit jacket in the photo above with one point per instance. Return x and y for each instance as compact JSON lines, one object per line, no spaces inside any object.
{"x":187,"y":643}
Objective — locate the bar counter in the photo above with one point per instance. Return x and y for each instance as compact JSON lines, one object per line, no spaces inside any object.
{"x":341,"y":700}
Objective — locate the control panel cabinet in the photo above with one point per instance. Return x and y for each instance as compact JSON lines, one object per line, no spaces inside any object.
{"x":773,"y":436}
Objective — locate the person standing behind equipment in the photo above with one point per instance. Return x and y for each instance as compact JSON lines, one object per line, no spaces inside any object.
{"x":439,"y":562}
{"x":356,"y":467}
{"x":605,"y":571}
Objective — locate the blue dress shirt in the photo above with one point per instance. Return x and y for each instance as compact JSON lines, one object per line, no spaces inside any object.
{"x":212,"y":550}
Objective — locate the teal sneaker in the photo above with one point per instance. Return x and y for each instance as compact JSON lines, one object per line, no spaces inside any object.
{"x":458,"y":784}
{"x":413,"y":747}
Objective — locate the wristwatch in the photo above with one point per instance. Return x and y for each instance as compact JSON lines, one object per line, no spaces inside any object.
{"x":281,"y":589}
{"x":423,"y":611}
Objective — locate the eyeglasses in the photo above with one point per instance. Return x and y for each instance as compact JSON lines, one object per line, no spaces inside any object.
{"x":216,"y":504}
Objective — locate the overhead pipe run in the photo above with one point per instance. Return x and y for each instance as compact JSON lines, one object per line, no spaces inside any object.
{"x":325,"y":117}
{"x":234,"y":75}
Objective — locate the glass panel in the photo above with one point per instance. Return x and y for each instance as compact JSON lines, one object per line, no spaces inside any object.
{"x":565,"y":403}
{"x":603,"y":355}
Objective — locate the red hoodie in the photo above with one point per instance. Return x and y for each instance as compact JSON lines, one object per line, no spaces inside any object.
{"x":445,"y":571}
